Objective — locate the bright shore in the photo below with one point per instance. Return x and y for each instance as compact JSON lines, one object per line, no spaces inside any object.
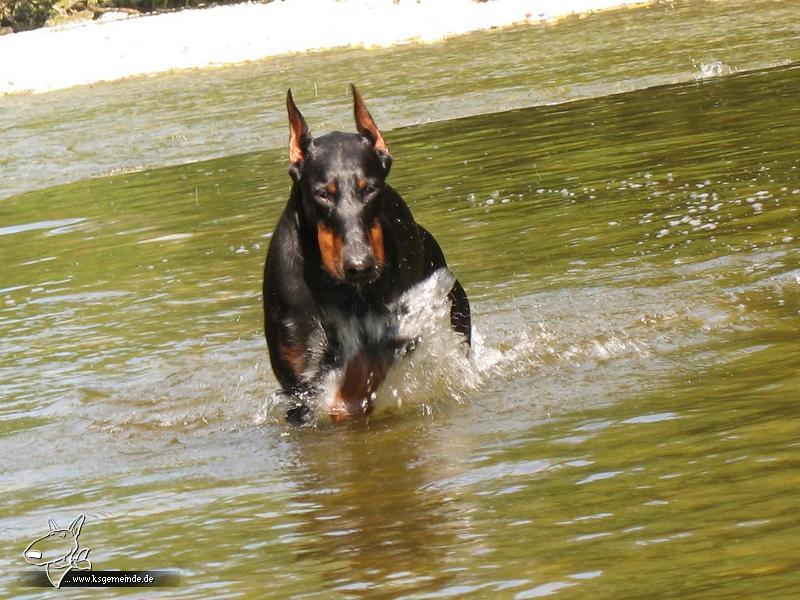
{"x":107,"y":50}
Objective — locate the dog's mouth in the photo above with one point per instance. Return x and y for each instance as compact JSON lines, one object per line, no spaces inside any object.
{"x":362,"y":278}
{"x":359,"y":281}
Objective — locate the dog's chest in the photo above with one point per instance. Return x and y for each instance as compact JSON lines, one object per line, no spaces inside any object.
{"x":350,"y":333}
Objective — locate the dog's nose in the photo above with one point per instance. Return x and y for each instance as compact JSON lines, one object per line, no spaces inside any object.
{"x":360,"y":268}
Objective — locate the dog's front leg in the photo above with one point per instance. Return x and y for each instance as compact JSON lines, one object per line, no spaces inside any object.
{"x":363,"y":374}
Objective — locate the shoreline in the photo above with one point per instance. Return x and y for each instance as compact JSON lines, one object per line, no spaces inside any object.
{"x":88,"y":52}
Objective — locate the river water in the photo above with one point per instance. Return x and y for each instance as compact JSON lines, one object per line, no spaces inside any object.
{"x":627,"y":424}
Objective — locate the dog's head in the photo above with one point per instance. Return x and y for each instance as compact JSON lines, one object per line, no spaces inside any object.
{"x":342,"y":177}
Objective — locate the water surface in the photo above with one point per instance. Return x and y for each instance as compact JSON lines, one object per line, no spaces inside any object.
{"x":628,"y":427}
{"x":198,"y":114}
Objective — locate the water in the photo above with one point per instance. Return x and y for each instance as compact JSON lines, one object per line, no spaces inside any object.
{"x":194,"y":115}
{"x":627,"y":425}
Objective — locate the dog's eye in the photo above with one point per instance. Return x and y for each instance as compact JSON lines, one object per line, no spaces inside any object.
{"x":369,"y":191}
{"x":325,"y":195}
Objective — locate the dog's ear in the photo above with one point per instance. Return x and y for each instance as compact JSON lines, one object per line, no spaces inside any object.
{"x":365,"y":124}
{"x":299,"y":136}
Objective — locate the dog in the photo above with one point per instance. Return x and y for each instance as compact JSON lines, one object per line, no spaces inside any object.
{"x":345,"y":248}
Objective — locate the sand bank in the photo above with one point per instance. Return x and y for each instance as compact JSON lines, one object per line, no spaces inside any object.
{"x":107,"y":50}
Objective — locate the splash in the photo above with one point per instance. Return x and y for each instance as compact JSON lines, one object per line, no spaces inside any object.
{"x":546,"y":348}
{"x":438,"y":363}
{"x":539,"y":335}
{"x":714,"y":68}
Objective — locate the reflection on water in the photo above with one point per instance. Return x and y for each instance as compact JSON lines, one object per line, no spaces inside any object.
{"x":626,"y":426}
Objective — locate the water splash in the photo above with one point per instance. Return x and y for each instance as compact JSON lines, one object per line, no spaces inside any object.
{"x":539,"y":335}
{"x":438,"y":366}
{"x":556,"y":346}
{"x":714,"y":68}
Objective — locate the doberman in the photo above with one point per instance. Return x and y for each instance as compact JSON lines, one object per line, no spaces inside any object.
{"x":345,"y":248}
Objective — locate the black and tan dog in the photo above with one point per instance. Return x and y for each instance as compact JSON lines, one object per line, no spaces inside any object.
{"x":344,"y":249}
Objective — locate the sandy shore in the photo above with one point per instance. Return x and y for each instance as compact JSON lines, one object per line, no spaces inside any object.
{"x":88,"y":52}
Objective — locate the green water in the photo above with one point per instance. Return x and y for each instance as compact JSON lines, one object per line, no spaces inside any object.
{"x":193,"y":115}
{"x":630,"y":427}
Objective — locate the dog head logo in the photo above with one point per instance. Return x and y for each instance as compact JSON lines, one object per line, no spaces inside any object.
{"x":58,"y":551}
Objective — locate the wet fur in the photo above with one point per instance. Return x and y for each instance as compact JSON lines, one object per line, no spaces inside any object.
{"x":345,"y":247}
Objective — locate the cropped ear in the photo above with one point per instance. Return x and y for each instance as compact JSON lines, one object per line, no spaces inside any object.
{"x":299,"y":137}
{"x":52,"y":525}
{"x":75,"y":526}
{"x":365,"y":124}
